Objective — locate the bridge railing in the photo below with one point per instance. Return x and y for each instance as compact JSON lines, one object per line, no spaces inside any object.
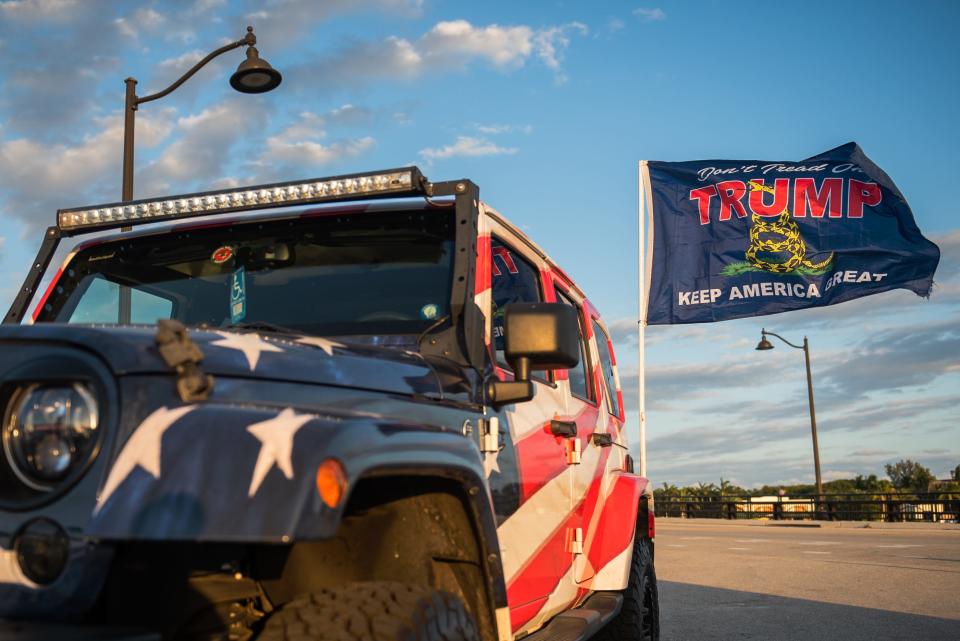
{"x":930,"y":507}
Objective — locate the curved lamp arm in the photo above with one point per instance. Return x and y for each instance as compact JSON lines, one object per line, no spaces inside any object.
{"x":248,"y":40}
{"x":764,"y":332}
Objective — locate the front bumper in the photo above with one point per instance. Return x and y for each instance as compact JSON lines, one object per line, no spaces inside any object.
{"x":34,"y":631}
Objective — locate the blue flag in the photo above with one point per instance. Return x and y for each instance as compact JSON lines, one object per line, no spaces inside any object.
{"x":737,"y":238}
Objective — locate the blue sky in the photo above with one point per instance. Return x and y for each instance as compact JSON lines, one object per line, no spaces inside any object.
{"x":548,"y":106}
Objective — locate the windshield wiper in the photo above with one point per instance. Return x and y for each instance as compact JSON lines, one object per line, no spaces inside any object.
{"x":265,"y":327}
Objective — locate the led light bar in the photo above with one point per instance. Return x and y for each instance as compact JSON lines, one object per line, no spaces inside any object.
{"x":397,"y":182}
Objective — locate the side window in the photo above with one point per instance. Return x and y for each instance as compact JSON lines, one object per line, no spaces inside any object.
{"x":579,"y":381}
{"x":100,"y":303}
{"x":606,"y":365}
{"x":514,"y":280}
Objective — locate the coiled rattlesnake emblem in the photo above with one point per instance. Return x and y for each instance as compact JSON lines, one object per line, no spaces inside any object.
{"x":779,"y":236}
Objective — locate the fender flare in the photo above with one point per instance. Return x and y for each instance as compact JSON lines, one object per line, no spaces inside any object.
{"x":477,"y":498}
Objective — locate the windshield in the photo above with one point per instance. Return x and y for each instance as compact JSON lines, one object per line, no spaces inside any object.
{"x":325,"y":274}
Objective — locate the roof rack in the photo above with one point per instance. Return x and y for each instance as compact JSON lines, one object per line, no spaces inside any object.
{"x":392,"y":183}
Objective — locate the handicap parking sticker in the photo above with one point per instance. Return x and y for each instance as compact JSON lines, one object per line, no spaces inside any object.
{"x":238,"y":296}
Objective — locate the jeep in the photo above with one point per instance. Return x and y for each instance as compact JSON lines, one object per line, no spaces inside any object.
{"x":357,"y":407}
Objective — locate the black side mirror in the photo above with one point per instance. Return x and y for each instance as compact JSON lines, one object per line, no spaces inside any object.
{"x":537,"y":336}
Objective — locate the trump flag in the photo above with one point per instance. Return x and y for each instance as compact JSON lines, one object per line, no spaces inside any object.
{"x":737,"y":238}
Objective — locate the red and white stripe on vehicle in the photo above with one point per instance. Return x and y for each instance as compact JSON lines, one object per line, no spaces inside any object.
{"x":573,"y":530}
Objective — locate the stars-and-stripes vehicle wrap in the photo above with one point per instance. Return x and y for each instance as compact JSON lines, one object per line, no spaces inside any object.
{"x":288,"y":397}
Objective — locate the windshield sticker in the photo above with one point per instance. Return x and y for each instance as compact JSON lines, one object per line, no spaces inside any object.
{"x":429,"y":311}
{"x":238,"y":296}
{"x":222,"y":255}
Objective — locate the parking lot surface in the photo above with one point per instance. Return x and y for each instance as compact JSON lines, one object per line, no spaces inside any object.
{"x":726,"y":581}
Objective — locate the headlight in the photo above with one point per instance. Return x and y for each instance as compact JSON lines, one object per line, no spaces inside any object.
{"x":48,"y":429}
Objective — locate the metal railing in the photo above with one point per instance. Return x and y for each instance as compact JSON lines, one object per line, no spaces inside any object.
{"x":930,"y":507}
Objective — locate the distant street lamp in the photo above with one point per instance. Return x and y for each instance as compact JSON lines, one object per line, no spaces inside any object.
{"x":254,"y":75}
{"x":764,"y":345}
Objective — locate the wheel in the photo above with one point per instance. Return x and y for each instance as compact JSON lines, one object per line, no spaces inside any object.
{"x":372,"y":611}
{"x":639,"y":618}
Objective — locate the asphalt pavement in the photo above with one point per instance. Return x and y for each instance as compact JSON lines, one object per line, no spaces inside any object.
{"x":720,"y":580}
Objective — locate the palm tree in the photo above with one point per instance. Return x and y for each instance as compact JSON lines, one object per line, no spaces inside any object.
{"x":706,"y":489}
{"x":724,"y":486}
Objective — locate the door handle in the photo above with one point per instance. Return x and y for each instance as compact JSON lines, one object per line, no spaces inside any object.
{"x":601,"y":439}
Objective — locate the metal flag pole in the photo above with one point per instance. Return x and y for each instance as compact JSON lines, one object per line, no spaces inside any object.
{"x":641,"y":319}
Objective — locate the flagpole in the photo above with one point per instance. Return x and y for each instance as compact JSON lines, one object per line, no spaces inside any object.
{"x":641,"y":320}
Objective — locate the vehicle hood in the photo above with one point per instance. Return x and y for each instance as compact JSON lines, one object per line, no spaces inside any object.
{"x":246,"y":354}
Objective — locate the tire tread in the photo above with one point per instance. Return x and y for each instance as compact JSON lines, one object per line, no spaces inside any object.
{"x":372,"y":611}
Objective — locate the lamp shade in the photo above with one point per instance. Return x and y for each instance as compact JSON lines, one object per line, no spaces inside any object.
{"x":255,"y":75}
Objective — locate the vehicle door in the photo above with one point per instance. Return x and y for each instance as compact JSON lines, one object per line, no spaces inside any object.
{"x":527,"y":477}
{"x":608,"y":528}
{"x":590,"y":463}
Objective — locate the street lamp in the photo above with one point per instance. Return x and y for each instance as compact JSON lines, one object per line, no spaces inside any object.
{"x":254,"y":75}
{"x":764,"y":345}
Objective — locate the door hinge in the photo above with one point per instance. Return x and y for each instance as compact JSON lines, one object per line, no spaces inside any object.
{"x":576,"y":541}
{"x":490,"y":435}
{"x":573,"y":451}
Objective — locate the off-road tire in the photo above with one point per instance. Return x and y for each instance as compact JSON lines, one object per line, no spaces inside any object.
{"x":372,"y":611}
{"x":639,"y":618}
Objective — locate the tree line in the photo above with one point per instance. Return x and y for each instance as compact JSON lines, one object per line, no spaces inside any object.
{"x":903,"y":476}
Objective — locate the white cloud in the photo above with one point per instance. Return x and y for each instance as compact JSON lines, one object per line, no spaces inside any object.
{"x":447,"y":45}
{"x":38,"y":10}
{"x":182,"y":62}
{"x":458,"y":38}
{"x":305,"y":154}
{"x":553,"y":41}
{"x":298,"y":148}
{"x":467,"y":146}
{"x":650,"y":15}
{"x":615,"y":24}
{"x":496,"y":129}
{"x":203,"y":145}
{"x":286,"y":21}
{"x":309,"y":126}
{"x":36,"y":178}
{"x":141,"y":22}
{"x":203,"y":6}
{"x":349,"y":115}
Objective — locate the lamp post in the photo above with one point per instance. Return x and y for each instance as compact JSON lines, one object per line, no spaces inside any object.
{"x":764,"y":345}
{"x":253,"y":75}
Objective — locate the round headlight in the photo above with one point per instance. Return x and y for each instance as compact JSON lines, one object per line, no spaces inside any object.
{"x":48,"y":429}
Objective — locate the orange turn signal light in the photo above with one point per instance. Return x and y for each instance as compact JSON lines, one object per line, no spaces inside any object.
{"x":331,"y":482}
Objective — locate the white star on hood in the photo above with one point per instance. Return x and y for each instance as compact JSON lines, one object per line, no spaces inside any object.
{"x":250,"y":344}
{"x":143,"y":449}
{"x":276,"y":445}
{"x":322,"y":343}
